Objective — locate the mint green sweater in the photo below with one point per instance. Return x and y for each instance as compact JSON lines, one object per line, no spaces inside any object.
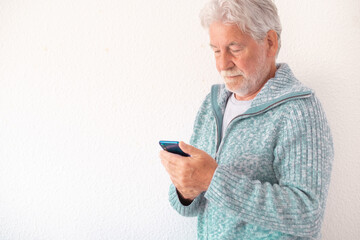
{"x":274,"y":164}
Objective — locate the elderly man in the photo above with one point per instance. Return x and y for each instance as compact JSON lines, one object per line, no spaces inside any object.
{"x":261,"y":150}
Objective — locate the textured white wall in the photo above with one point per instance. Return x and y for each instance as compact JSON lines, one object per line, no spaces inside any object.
{"x":87,"y":88}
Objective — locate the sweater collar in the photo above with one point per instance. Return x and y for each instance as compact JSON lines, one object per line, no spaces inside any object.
{"x":281,"y":86}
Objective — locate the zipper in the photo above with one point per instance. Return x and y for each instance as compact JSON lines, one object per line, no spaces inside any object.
{"x":216,"y":109}
{"x":218,"y":137}
{"x":219,"y":143}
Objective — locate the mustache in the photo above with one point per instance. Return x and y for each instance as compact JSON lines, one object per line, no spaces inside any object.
{"x":231,"y":73}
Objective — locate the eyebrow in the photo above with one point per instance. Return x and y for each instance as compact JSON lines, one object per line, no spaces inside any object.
{"x":230,"y":44}
{"x":235,"y":43}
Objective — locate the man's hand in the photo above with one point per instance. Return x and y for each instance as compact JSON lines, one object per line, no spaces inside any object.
{"x":190,"y":175}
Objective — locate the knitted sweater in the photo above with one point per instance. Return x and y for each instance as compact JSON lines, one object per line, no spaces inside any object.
{"x":274,"y":164}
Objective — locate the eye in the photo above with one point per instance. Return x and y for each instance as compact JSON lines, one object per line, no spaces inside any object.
{"x":235,"y":50}
{"x":216,"y":52}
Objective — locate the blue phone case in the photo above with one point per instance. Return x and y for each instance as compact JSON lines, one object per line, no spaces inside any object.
{"x":173,"y":147}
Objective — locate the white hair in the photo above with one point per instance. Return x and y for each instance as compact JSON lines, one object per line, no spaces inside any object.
{"x":254,"y":17}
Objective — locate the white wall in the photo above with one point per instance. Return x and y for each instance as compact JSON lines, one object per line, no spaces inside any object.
{"x":87,"y":88}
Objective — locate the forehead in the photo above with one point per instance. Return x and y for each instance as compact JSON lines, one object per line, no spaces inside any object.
{"x":221,"y":34}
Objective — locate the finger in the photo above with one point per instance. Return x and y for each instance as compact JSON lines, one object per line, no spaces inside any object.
{"x":171,"y":158}
{"x":187,"y":148}
{"x":172,"y":162}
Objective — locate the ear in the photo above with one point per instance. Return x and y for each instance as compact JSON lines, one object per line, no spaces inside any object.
{"x":272,"y":43}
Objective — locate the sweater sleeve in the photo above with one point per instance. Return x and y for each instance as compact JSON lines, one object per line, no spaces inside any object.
{"x":197,"y":205}
{"x":191,"y":210}
{"x":302,"y":162}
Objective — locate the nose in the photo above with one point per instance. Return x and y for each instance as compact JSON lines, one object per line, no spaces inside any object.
{"x":224,"y":61}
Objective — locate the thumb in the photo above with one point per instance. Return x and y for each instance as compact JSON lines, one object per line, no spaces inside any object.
{"x":187,"y":148}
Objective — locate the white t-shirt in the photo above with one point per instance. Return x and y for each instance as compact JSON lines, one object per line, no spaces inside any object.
{"x":234,"y":108}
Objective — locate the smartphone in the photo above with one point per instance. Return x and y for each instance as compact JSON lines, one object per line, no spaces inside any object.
{"x":173,"y":147}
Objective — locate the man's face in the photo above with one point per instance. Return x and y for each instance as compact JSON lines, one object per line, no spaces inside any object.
{"x":241,"y":60}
